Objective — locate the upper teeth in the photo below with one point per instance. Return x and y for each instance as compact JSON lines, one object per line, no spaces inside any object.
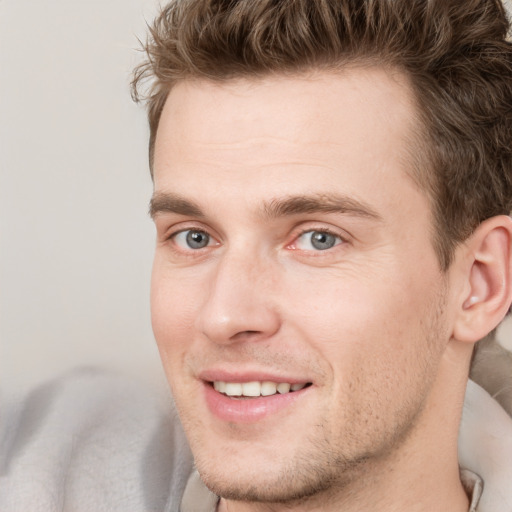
{"x":255,"y":388}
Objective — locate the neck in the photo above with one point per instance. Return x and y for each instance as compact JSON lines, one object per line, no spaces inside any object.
{"x":420,"y":475}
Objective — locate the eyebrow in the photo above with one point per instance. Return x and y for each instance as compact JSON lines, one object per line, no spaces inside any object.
{"x":319,"y":203}
{"x":165,"y":202}
{"x":171,"y":203}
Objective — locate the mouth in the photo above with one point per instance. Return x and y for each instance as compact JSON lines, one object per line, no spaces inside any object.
{"x":249,"y":400}
{"x":256,"y":389}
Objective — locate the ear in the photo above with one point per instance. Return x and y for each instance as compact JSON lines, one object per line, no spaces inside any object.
{"x":487,"y":288}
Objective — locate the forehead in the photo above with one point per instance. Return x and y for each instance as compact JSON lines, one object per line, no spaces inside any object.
{"x":287,"y":132}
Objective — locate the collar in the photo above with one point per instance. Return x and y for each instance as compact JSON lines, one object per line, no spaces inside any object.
{"x":197,"y":497}
{"x":474,"y":486}
{"x":485,"y":447}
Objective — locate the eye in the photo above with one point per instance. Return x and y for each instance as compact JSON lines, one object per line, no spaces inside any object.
{"x":192,"y":239}
{"x":317,"y":240}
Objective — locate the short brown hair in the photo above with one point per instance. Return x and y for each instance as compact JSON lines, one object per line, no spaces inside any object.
{"x":454,"y":52}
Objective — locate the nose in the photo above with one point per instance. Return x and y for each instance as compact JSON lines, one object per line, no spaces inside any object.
{"x":239,"y":302}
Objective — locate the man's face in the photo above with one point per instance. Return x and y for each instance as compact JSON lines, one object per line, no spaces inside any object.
{"x":293,"y":250}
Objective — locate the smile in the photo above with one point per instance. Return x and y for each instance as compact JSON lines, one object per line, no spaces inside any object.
{"x":253,"y":401}
{"x":256,"y":388}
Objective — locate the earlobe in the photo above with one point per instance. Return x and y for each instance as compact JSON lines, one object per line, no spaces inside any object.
{"x":488,"y":289}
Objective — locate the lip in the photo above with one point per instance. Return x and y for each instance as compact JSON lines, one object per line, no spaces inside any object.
{"x":249,"y":410}
{"x":248,"y":376}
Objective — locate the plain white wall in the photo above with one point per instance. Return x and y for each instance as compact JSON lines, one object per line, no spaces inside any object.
{"x":75,"y":240}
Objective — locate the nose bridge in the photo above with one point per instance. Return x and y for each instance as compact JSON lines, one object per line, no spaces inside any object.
{"x":239,"y":299}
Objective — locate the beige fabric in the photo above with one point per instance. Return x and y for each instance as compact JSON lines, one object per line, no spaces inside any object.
{"x":473,"y":486}
{"x":485,"y":447}
{"x":197,"y":498}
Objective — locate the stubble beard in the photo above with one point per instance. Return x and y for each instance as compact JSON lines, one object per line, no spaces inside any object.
{"x":320,"y":478}
{"x":331,"y":471}
{"x":320,"y":474}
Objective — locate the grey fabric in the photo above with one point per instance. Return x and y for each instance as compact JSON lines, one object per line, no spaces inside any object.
{"x":91,"y":441}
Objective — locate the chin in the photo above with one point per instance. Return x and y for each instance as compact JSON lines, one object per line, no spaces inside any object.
{"x":304,"y":479}
{"x":285,"y":489}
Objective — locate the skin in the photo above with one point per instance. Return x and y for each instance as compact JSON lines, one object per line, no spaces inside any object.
{"x":368,"y":322}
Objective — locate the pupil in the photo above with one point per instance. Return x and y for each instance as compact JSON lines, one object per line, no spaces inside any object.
{"x":197,"y":240}
{"x":322,"y":241}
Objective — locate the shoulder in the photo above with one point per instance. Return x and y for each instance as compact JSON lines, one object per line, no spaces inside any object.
{"x":91,"y":440}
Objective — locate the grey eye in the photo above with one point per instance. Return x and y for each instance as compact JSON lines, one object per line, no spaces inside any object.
{"x":197,"y":239}
{"x":317,"y":240}
{"x":192,"y":239}
{"x":321,"y":240}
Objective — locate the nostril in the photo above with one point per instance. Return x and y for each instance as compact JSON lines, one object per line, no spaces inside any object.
{"x":246,"y":335}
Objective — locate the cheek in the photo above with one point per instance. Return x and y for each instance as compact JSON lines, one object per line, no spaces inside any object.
{"x":172,"y":313}
{"x":360,"y":320}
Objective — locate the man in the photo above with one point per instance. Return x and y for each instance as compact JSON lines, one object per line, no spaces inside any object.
{"x":332,"y":184}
